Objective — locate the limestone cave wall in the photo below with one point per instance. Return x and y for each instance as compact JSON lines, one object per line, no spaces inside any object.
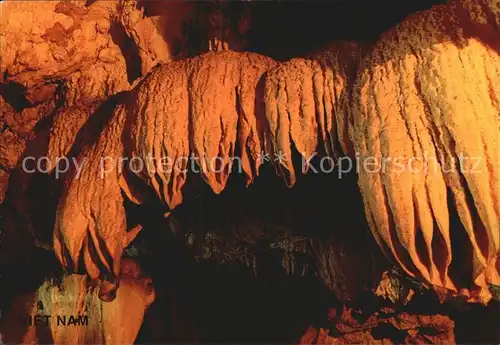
{"x":287,"y":238}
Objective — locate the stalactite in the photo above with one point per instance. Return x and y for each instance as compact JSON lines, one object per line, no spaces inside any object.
{"x":426,"y":110}
{"x":307,"y":105}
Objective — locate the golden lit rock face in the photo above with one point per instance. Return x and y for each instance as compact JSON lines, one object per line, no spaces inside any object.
{"x":427,"y":99}
{"x":74,"y":55}
{"x":156,"y":35}
{"x":70,"y":312}
{"x":201,"y":107}
{"x":124,"y":315}
{"x":158,"y":112}
{"x":306,"y":102}
{"x":194,"y":111}
{"x":92,"y":48}
{"x":423,"y":98}
{"x":64,"y":130}
{"x":62,"y":38}
{"x":94,"y":218}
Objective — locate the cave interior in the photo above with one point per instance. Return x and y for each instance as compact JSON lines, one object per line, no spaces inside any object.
{"x":242,"y":266}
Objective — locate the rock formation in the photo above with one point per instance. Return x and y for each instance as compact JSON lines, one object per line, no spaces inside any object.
{"x":428,"y":100}
{"x":69,"y":311}
{"x":117,"y":116}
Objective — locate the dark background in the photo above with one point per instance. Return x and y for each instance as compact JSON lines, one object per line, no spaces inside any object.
{"x":285,"y":29}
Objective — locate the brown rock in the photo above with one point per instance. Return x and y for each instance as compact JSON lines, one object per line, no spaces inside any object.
{"x":11,"y":149}
{"x":24,"y":122}
{"x":432,"y":129}
{"x":4,"y":180}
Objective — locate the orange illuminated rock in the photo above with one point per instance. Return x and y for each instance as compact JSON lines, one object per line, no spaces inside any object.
{"x":60,"y":39}
{"x":94,"y":218}
{"x":427,"y":130}
{"x":159,"y":113}
{"x":156,"y":28}
{"x":11,"y":148}
{"x":69,"y":311}
{"x":400,"y":328}
{"x":306,"y":102}
{"x":427,"y":96}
